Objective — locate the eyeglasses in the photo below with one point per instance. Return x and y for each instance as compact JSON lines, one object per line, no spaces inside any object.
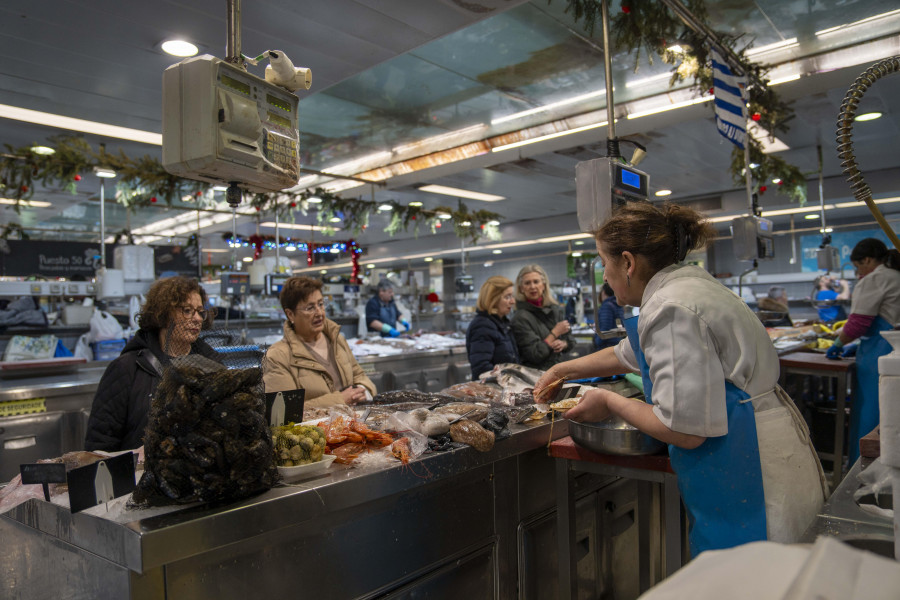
{"x":188,"y":311}
{"x":509,"y":297}
{"x":312,"y":308}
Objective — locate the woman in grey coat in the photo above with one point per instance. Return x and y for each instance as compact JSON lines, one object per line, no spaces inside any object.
{"x":542,"y":334}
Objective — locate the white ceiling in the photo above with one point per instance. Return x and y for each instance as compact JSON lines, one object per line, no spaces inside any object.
{"x":391,"y":73}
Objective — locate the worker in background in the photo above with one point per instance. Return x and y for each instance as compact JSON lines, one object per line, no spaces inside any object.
{"x":826,"y":288}
{"x":542,"y":333}
{"x":382,"y":314}
{"x":709,"y":371}
{"x":875,"y":308}
{"x":609,"y":316}
{"x":775,"y":302}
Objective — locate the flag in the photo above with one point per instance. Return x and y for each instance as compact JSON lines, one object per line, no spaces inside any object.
{"x":731,"y":101}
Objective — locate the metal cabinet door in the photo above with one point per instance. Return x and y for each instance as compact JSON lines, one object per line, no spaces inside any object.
{"x":27,"y":438}
{"x":407,"y":380}
{"x":434,"y":379}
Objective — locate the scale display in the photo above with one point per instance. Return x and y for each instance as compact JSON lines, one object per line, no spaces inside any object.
{"x":602,"y":185}
{"x":752,"y":238}
{"x":222,"y":124}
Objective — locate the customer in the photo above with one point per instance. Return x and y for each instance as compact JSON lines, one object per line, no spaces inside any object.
{"x":875,"y":308}
{"x":541,"y":332}
{"x":776,"y":303}
{"x":382,"y":314}
{"x":170,"y":322}
{"x":489,"y":339}
{"x":313,"y":355}
{"x":609,"y":316}
{"x":826,"y":289}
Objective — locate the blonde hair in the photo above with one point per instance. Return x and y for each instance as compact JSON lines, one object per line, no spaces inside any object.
{"x":490,"y":293}
{"x":548,"y":298}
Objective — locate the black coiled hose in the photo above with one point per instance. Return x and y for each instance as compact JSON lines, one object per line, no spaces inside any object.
{"x":858,"y":184}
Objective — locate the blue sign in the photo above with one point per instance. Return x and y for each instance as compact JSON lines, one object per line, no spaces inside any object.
{"x":844,"y":241}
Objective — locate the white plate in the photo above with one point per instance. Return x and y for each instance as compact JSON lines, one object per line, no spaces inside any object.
{"x":288,"y":473}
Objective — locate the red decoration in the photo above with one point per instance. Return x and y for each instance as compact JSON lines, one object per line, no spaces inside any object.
{"x":309,"y":255}
{"x":762,"y":189}
{"x":437,"y":225}
{"x":354,"y":261}
{"x":626,"y":10}
{"x":257,"y":209}
{"x":293,"y":205}
{"x":77,"y":178}
{"x":711,"y":91}
{"x":257,"y":243}
{"x":414,"y":217}
{"x":153,"y":199}
{"x":198,"y":193}
{"x":25,"y":189}
{"x":756,"y":116}
{"x":780,"y":182}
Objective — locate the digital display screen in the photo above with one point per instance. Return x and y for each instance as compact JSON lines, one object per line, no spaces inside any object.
{"x":279,"y":120}
{"x":235,"y":84}
{"x":763,"y":225}
{"x":278,"y":103}
{"x":630,"y":179}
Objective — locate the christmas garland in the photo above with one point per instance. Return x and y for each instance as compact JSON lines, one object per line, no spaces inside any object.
{"x":142,"y":182}
{"x":650,"y":27}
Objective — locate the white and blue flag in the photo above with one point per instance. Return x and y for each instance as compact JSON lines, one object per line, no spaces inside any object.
{"x":731,"y":101}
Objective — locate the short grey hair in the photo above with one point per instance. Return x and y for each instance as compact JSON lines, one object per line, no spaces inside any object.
{"x":385,"y":284}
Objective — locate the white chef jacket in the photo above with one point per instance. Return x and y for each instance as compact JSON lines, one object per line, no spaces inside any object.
{"x":878,"y":293}
{"x":696,"y":334}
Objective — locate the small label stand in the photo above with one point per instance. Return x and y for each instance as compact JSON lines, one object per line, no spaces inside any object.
{"x":101,"y":481}
{"x":44,"y":474}
{"x":284,"y":407}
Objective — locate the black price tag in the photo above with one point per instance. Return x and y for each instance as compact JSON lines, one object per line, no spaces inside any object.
{"x":284,"y":407}
{"x":101,"y":482}
{"x":43,"y":474}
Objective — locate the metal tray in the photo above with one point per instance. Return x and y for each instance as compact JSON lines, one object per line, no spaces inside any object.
{"x":614,"y":436}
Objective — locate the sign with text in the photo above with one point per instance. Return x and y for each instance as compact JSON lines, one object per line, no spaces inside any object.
{"x":51,"y":259}
{"x":176,"y":260}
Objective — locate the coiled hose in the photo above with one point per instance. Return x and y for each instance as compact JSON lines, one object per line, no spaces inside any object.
{"x":858,"y":184}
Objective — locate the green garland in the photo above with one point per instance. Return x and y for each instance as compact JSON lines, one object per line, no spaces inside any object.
{"x":642,"y":25}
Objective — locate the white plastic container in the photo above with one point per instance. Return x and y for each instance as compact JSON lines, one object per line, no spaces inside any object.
{"x":889,"y":401}
{"x":76,"y":314}
{"x":110,"y":283}
{"x":135,"y":261}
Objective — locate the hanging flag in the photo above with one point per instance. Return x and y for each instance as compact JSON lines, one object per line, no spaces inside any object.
{"x":731,"y":101}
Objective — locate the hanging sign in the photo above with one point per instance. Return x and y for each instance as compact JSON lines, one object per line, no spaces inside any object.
{"x":51,"y":259}
{"x":176,"y":260}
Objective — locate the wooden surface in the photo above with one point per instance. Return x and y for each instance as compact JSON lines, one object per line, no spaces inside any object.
{"x":815,"y":360}
{"x":870,"y":444}
{"x":567,"y":448}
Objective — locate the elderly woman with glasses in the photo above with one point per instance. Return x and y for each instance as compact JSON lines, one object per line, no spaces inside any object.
{"x":313,"y":355}
{"x":489,"y":338}
{"x":170,"y":323}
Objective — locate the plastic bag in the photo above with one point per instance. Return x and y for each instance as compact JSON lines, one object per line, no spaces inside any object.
{"x":876,"y":480}
{"x":23,"y":347}
{"x":83,"y":348}
{"x":134,"y":308}
{"x":104,"y":327}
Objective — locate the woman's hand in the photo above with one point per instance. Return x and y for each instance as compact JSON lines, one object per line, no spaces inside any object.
{"x":353,"y":394}
{"x":546,"y":379}
{"x":558,"y":345}
{"x":592,"y":408}
{"x":561,"y":329}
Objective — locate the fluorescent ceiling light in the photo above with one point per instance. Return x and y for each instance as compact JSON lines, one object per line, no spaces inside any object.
{"x":456,"y":192}
{"x":247,"y":259}
{"x":782,"y":45}
{"x":861,"y":203}
{"x":563,"y":238}
{"x":795,"y":211}
{"x":547,"y":137}
{"x":811,"y":216}
{"x":785,"y":79}
{"x":870,"y":116}
{"x":726,"y":218}
{"x":384,"y":207}
{"x":429,"y":259}
{"x":415,"y":203}
{"x":674,"y":106}
{"x":295,"y":226}
{"x":215,"y":250}
{"x":104,"y":173}
{"x":646,"y":80}
{"x":546,"y":107}
{"x":30,"y":203}
{"x":220,"y":188}
{"x":61,"y":122}
{"x":769,"y":144}
{"x":47,"y":150}
{"x":314,"y":200}
{"x":662,"y":193}
{"x":180,"y":48}
{"x":437,"y":139}
{"x":831,"y":30}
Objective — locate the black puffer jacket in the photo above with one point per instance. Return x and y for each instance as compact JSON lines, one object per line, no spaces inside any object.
{"x":489,"y":342}
{"x":122,"y":402}
{"x":531,"y":325}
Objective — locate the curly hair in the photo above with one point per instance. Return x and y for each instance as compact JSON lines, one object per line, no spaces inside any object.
{"x":166,"y":295}
{"x":298,"y":289}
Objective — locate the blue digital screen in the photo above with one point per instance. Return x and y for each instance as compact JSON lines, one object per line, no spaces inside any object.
{"x":631,"y":179}
{"x":763,"y":225}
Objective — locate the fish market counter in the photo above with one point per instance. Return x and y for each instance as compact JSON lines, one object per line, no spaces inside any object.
{"x":455,"y":524}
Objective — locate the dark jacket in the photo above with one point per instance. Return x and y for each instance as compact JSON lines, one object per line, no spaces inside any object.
{"x":609,"y":312}
{"x":489,"y":342}
{"x":376,"y":310}
{"x":122,"y":403}
{"x":531,"y":325}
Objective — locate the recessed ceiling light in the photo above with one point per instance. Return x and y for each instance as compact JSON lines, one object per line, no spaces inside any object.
{"x":323,"y":271}
{"x":31,"y":203}
{"x":247,"y":259}
{"x":104,"y":173}
{"x":493,"y":223}
{"x":776,"y":181}
{"x":370,"y":266}
{"x":579,"y":243}
{"x":383,"y":207}
{"x":811,"y":216}
{"x":428,"y":259}
{"x":335,"y":220}
{"x":868,"y":116}
{"x":179,"y":48}
{"x":661,"y":193}
{"x":443,"y":216}
{"x":458,"y":193}
{"x":576,"y":254}
{"x":415,"y":203}
{"x":498,"y":251}
{"x":676,"y":49}
{"x":826,"y":230}
{"x":220,"y":188}
{"x":43,"y":150}
{"x":314,"y":200}
{"x":290,"y":248}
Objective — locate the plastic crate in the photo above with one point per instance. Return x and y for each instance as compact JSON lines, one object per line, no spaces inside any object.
{"x":107,"y":349}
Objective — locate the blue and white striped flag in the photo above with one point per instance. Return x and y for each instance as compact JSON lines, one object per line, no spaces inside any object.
{"x":731,"y":101}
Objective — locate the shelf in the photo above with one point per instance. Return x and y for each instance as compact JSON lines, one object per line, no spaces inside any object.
{"x":804,"y":277}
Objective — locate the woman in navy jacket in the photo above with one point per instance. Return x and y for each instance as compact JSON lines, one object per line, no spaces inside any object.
{"x":489,"y":340}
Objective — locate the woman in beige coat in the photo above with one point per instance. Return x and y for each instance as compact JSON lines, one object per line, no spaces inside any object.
{"x":313,"y":355}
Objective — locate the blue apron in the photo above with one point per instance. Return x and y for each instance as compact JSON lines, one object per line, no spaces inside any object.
{"x":864,"y":412}
{"x":721,"y":480}
{"x":388,"y":313}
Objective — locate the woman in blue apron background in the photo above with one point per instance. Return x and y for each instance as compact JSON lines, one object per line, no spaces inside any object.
{"x":875,"y":307}
{"x":746,"y":468}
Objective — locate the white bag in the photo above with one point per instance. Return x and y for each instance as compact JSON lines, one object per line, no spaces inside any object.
{"x":134,"y":308}
{"x":23,"y":347}
{"x":83,"y":348}
{"x":104,"y":327}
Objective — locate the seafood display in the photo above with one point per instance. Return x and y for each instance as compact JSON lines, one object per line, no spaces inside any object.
{"x":15,"y":493}
{"x":474,"y":411}
{"x":347,"y":438}
{"x":207,"y":438}
{"x":474,"y":390}
{"x":473,"y":434}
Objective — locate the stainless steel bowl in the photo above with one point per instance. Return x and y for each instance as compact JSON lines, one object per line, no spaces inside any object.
{"x":614,"y":436}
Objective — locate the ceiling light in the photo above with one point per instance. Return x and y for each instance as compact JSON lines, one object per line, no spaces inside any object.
{"x":415,"y":203}
{"x":855,"y":23}
{"x":579,"y":243}
{"x":466,"y":224}
{"x":497,"y":251}
{"x":104,"y":172}
{"x":576,"y":254}
{"x":429,"y":259}
{"x":247,"y":259}
{"x":437,"y":139}
{"x":788,"y":43}
{"x":215,"y":250}
{"x":795,"y":211}
{"x":180,"y":48}
{"x":314,"y":200}
{"x":47,"y":150}
{"x":547,"y":137}
{"x":493,"y":223}
{"x":220,"y":188}
{"x":563,"y":238}
{"x":383,"y":207}
{"x":871,"y":116}
{"x":335,"y":250}
{"x":456,"y":192}
{"x":334,"y":220}
{"x":646,"y":80}
{"x":784,"y":79}
{"x":754,"y":165}
{"x":674,"y":106}
{"x":370,"y":266}
{"x":768,"y":142}
{"x":811,"y":216}
{"x":294,"y":226}
{"x":290,"y":248}
{"x":662,"y":193}
{"x":61,"y":122}
{"x":323,"y":271}
{"x":546,"y":107}
{"x":31,"y":203}
{"x":676,"y":49}
{"x":776,"y":181}
{"x":826,"y":230}
{"x":444,"y":216}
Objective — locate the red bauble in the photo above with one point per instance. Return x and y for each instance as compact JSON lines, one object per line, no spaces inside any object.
{"x":437,"y":225}
{"x":756,"y":116}
{"x":153,"y":199}
{"x":482,"y":225}
{"x":626,"y":10}
{"x":293,"y":205}
{"x":257,"y":209}
{"x":711,"y":91}
{"x":762,"y":189}
{"x":77,"y":178}
{"x":780,"y":182}
{"x":414,"y":217}
{"x":24,"y":188}
{"x":198,"y":194}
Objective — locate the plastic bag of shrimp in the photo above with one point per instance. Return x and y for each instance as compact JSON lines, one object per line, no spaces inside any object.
{"x":408,"y":443}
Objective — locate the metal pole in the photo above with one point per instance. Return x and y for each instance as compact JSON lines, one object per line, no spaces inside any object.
{"x":821,"y":188}
{"x":233,"y":24}
{"x":199,"y":253}
{"x":277,"y":241}
{"x":102,"y":224}
{"x":747,"y":182}
{"x":607,"y":62}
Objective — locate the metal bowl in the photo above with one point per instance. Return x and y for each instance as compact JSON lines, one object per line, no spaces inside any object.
{"x":614,"y":436}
